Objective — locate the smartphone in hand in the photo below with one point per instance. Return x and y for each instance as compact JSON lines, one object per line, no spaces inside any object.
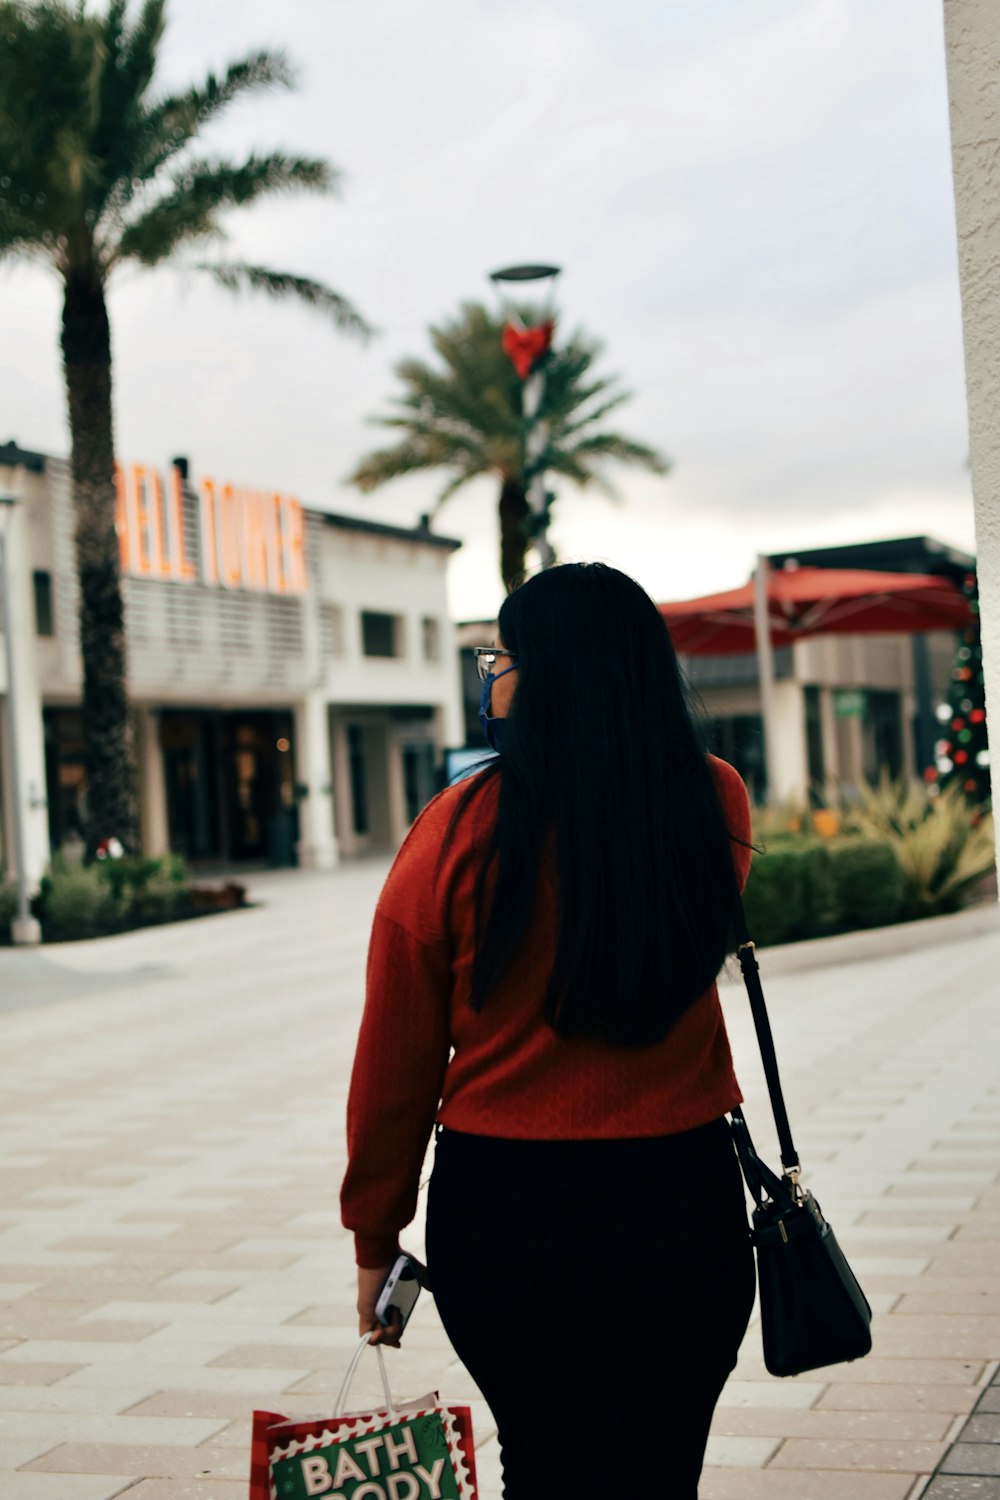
{"x":398,"y":1296}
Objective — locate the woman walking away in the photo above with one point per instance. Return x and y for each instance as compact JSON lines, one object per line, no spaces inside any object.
{"x":541,"y":983}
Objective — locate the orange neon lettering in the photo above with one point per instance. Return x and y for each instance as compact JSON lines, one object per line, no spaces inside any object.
{"x":142,"y":553}
{"x":277,"y":573}
{"x":209,"y":546}
{"x":180,"y":567}
{"x":296,"y":548}
{"x":255,"y":546}
{"x":229,"y":538}
{"x":121,"y":522}
{"x":157,"y":525}
{"x":272,"y":543}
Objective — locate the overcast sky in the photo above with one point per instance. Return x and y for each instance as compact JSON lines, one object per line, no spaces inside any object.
{"x":751,"y":201}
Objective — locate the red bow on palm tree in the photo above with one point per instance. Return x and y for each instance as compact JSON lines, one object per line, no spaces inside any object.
{"x":524,"y":347}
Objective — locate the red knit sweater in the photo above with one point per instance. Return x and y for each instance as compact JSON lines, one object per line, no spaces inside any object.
{"x":424,"y":1053}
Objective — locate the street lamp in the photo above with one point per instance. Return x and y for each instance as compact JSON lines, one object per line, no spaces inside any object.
{"x":527,"y":348}
{"x":24,"y":929}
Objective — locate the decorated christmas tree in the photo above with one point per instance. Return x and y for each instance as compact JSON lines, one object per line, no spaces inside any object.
{"x":962,"y":753}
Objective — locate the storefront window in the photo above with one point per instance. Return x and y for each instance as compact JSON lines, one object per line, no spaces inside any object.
{"x":740,"y":740}
{"x":418,"y":777}
{"x":359,"y":780}
{"x":882,"y":735}
{"x":65,"y":775}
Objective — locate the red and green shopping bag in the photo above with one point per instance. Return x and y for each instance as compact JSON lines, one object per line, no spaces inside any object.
{"x":417,"y":1450}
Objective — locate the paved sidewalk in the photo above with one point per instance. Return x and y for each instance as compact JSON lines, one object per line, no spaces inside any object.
{"x":171,"y":1108}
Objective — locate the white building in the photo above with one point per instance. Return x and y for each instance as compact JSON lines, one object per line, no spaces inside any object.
{"x":293,"y":674}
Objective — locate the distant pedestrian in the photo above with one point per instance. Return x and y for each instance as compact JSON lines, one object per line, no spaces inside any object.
{"x":541,"y":984}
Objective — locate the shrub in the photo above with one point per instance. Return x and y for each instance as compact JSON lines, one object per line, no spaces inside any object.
{"x":773,"y":899}
{"x":8,"y":909}
{"x":73,"y":902}
{"x":806,"y":888}
{"x":148,"y":890}
{"x":867,"y":882}
{"x":944,"y":844}
{"x":78,"y":901}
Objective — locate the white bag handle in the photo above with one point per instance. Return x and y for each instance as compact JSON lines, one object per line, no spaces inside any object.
{"x":351,"y":1370}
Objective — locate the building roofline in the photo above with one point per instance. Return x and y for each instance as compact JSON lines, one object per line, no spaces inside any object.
{"x":923,"y":550}
{"x":413,"y":534}
{"x":12,"y":457}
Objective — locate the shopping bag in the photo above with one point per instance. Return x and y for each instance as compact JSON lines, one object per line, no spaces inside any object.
{"x":414,"y":1450}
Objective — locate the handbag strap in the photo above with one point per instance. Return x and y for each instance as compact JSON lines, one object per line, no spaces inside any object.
{"x":747,"y":954}
{"x":352,"y":1367}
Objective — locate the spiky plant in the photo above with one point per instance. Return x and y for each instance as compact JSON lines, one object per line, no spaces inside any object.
{"x":100,"y":170}
{"x":465,"y":417}
{"x":943,"y":843}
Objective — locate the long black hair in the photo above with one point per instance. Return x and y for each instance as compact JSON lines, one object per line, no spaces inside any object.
{"x":600,"y":756}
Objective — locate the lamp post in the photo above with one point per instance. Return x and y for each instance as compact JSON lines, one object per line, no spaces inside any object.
{"x":527,"y":347}
{"x":24,"y":928}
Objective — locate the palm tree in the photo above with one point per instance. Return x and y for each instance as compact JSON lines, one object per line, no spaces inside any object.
{"x":467,"y":418}
{"x":99,"y":171}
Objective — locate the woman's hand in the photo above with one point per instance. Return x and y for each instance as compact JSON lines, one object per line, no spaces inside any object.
{"x":370,"y":1283}
{"x":371,"y":1280}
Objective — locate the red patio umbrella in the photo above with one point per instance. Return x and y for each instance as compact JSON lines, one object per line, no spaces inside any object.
{"x":816,"y":601}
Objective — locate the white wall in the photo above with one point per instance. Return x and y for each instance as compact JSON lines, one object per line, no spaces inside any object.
{"x":360,"y":572}
{"x":972,"y":36}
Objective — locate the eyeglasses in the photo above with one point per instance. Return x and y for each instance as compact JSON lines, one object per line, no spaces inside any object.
{"x":486,"y":659}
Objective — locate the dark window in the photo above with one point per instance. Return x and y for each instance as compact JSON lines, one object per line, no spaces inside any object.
{"x":740,"y":740}
{"x":814,"y":744}
{"x":359,"y":781}
{"x":418,"y":777}
{"x":43,"y":603}
{"x":378,"y":634}
{"x":432,"y":638}
{"x":882,"y":735}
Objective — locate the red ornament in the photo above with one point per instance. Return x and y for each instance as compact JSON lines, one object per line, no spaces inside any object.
{"x":957,"y":724}
{"x":960,"y":757}
{"x":524,"y":347}
{"x":963,"y":674}
{"x":970,"y":786}
{"x":977,"y":716}
{"x":930,"y":774}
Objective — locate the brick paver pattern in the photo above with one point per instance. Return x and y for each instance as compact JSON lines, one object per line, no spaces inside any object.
{"x":171,"y":1145}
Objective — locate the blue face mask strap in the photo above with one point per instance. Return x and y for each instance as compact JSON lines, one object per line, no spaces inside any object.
{"x":493,"y":729}
{"x":484,"y":700}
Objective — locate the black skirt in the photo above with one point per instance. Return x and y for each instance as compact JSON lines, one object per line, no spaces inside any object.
{"x":597,"y":1292}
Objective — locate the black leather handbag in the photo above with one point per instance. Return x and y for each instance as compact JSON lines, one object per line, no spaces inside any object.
{"x":812,"y":1310}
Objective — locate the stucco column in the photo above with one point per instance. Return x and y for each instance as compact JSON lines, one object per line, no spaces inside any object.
{"x":152,"y":784}
{"x":788,"y":761}
{"x":317,"y":846}
{"x":972,"y":38}
{"x":828,"y":731}
{"x":30,"y":795}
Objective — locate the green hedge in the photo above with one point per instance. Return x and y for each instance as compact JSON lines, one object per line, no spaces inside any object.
{"x":83,"y":901}
{"x":804,"y":888}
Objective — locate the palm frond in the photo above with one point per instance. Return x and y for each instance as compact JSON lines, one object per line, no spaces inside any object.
{"x":189,"y":211}
{"x":236,"y":277}
{"x":597,"y":414}
{"x":171,"y":124}
{"x":611,"y":445}
{"x":128,"y":62}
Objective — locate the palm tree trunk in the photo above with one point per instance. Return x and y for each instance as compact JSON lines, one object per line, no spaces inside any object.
{"x":514,"y":515}
{"x":110,"y":764}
